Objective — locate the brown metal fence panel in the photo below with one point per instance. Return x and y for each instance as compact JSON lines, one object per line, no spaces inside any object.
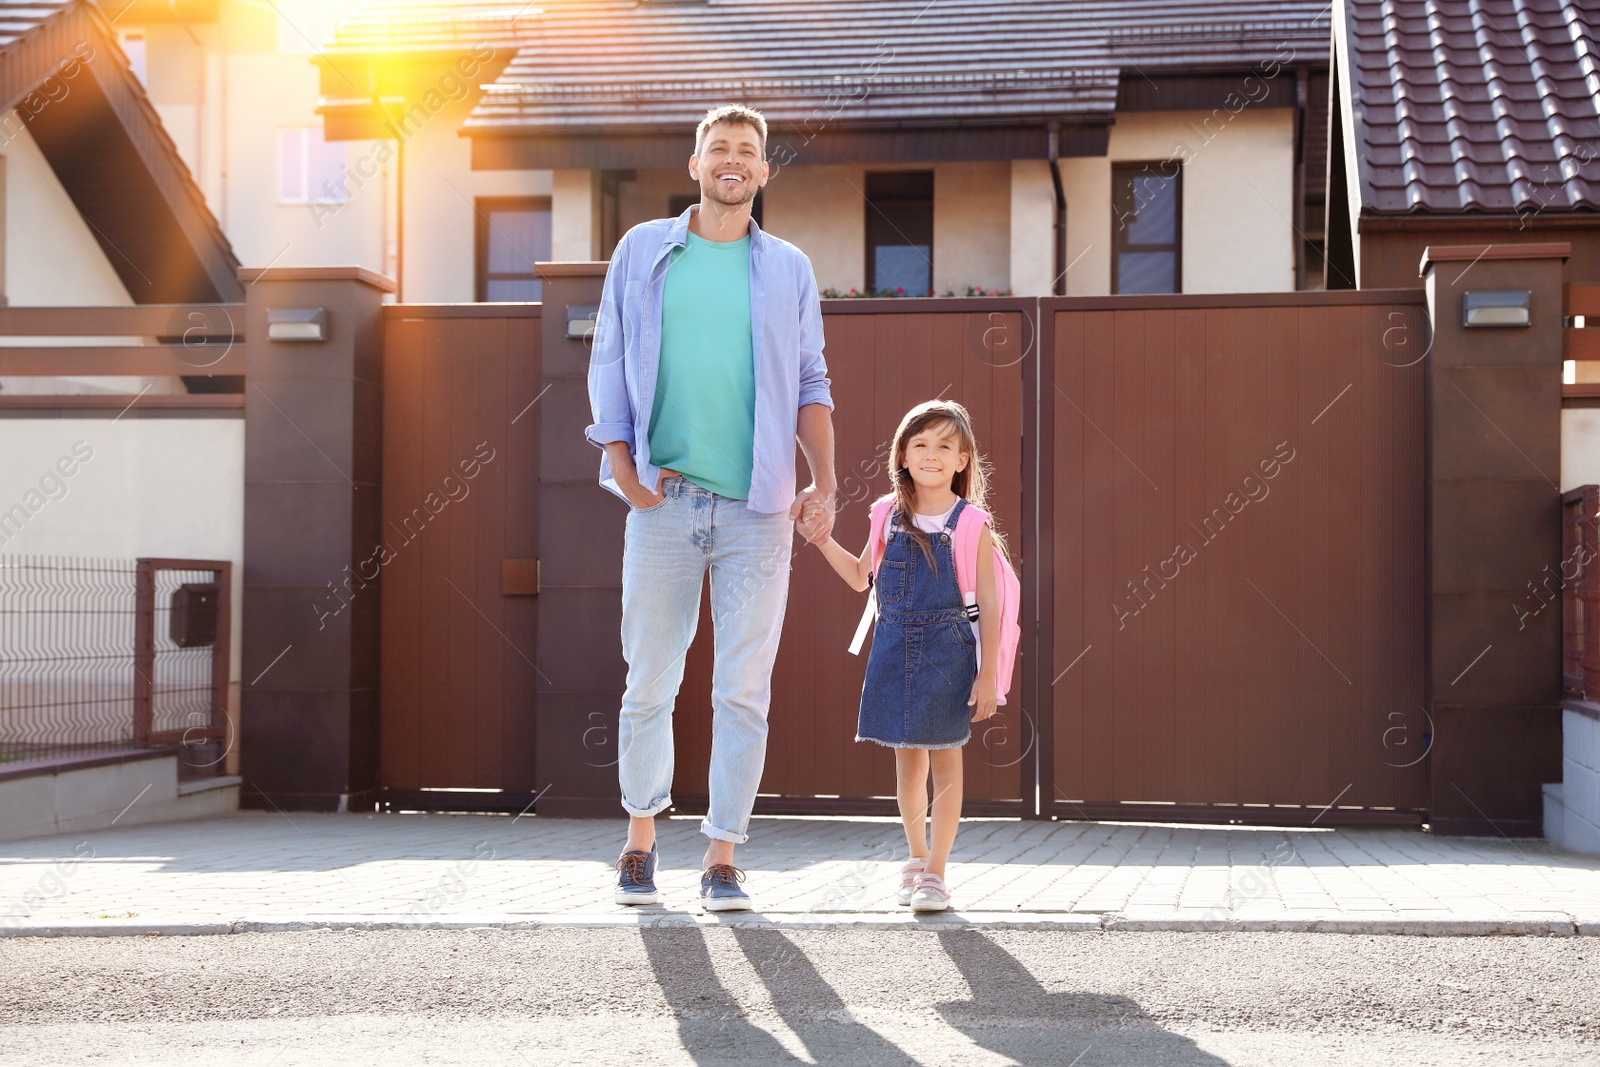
{"x":460,"y":497}
{"x":884,"y":356}
{"x":1580,"y":592}
{"x":1234,"y":504}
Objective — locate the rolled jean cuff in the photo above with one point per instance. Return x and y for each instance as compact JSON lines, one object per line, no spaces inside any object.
{"x":718,"y":834}
{"x":654,"y":809}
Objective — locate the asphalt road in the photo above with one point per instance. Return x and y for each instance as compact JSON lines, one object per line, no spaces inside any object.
{"x":828,"y":995}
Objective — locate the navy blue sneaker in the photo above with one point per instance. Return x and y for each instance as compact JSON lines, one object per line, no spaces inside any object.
{"x":719,"y":889}
{"x":636,"y":878}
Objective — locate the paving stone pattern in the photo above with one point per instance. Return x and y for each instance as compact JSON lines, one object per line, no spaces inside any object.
{"x":274,"y":868}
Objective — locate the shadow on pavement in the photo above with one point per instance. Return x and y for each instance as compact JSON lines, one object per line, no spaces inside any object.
{"x":810,"y":1006}
{"x":711,"y":1023}
{"x":1011,"y":1014}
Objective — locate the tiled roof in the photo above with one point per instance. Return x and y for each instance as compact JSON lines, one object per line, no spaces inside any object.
{"x":1489,"y":106}
{"x":600,"y":65}
{"x":17,"y":20}
{"x":409,"y":26}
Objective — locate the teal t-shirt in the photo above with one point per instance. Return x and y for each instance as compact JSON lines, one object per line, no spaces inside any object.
{"x":703,"y":421}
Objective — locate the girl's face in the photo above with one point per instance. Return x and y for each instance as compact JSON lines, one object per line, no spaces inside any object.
{"x":934,"y":456}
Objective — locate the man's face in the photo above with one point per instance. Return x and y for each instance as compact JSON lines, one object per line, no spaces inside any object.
{"x":729,"y":168}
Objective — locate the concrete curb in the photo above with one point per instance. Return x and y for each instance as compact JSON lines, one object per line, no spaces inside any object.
{"x":1063,"y":922}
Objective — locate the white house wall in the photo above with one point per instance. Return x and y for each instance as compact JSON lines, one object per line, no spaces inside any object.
{"x":971,"y":226}
{"x":441,"y":192}
{"x":1238,"y":198}
{"x":1033,"y":219}
{"x":223,"y":101}
{"x":150,"y":487}
{"x":574,"y":215}
{"x":267,"y":230}
{"x":52,"y":259}
{"x":1580,"y":447}
{"x":819,"y":209}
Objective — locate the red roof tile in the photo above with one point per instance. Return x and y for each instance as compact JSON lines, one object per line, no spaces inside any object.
{"x":613,"y":64}
{"x":1492,"y":106}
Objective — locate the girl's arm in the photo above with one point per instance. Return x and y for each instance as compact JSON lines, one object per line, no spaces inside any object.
{"x":984,"y":690}
{"x":852,"y":569}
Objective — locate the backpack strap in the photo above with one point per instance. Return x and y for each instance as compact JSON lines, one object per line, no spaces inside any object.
{"x":968,"y":529}
{"x":877,"y":540}
{"x":964,"y":548}
{"x":881,"y":511}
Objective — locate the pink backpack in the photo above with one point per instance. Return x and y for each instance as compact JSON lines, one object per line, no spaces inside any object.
{"x":1008,"y":590}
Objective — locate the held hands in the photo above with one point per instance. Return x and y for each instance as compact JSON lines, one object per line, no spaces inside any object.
{"x":984,"y":696}
{"x":813,"y":514}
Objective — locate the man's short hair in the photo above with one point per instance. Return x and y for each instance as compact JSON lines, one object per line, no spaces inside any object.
{"x":737,"y":115}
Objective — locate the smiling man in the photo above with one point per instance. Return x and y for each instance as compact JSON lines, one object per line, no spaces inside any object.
{"x":707,"y":367}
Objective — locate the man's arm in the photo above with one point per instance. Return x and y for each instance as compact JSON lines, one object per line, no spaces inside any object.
{"x":814,"y":423}
{"x":814,"y":385}
{"x":612,"y":429}
{"x":814,"y":506}
{"x":608,"y":383}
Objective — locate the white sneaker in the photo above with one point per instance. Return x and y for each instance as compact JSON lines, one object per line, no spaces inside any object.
{"x":908,"y":878}
{"x":931,"y":894}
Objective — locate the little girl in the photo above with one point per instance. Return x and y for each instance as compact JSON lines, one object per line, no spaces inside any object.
{"x":924,"y":686}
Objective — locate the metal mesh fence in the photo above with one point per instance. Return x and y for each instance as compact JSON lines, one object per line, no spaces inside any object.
{"x":66,"y":656}
{"x":102,"y":654}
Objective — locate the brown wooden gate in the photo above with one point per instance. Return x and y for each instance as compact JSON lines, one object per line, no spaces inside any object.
{"x":461,"y":427}
{"x":1232,"y":558}
{"x":1270,"y":671}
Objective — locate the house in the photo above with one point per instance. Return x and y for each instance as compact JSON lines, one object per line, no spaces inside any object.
{"x":235,"y":89}
{"x":451,"y":145}
{"x":99,"y":208}
{"x":1476,"y":126}
{"x":999,"y":140}
{"x":1460,"y":125}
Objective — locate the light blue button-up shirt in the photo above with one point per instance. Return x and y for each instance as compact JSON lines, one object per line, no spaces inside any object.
{"x":786,"y":328}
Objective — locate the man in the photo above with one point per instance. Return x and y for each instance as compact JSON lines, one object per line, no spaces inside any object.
{"x":707,"y":367}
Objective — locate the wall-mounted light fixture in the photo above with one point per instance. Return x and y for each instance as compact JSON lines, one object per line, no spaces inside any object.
{"x":297,"y":324}
{"x":581,"y":320}
{"x":1497,"y":307}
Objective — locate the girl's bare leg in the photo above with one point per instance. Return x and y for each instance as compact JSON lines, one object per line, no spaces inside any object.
{"x":911,"y":791}
{"x":946,"y":764}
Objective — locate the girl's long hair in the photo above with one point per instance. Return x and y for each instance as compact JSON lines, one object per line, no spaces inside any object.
{"x":971,"y":482}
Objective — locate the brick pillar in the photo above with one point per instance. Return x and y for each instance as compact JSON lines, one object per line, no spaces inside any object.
{"x":581,"y":670}
{"x":1493,"y":526}
{"x":312,"y":463}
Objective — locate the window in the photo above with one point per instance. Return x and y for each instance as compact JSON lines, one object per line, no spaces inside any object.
{"x":900,"y":231}
{"x":133,"y":48}
{"x":513,"y":235}
{"x":1147,"y":227}
{"x":310,"y":170}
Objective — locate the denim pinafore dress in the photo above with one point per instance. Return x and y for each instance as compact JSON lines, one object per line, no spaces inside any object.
{"x":924,"y":658}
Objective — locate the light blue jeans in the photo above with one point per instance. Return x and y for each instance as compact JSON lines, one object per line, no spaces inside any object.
{"x":666,"y":553}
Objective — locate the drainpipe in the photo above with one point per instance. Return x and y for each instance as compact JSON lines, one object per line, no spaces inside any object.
{"x":1058,"y":286}
{"x":400,"y":191}
{"x":1302,"y":99}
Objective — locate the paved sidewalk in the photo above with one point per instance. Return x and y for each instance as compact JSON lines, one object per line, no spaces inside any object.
{"x":265,"y":871}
